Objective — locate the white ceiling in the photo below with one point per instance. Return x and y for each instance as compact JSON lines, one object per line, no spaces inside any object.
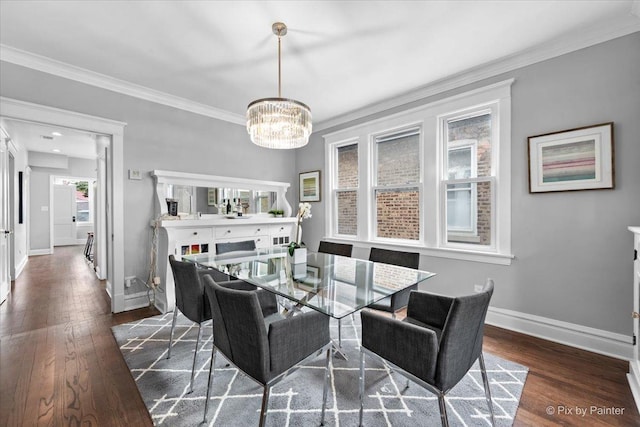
{"x":338,"y":56}
{"x":39,"y":137}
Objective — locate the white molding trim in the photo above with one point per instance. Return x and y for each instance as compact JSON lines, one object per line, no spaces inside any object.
{"x":558,"y":47}
{"x":135,"y":301}
{"x":20,"y":267}
{"x":37,"y":252}
{"x":634,"y":381}
{"x":571,"y":334}
{"x":82,"y":75}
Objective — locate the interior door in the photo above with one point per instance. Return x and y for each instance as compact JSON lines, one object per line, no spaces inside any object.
{"x":5,"y":280}
{"x":64,"y":215}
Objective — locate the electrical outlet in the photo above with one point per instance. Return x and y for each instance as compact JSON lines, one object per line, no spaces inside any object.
{"x":128,"y":281}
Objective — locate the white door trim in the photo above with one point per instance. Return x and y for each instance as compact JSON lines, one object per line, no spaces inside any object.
{"x":16,"y":109}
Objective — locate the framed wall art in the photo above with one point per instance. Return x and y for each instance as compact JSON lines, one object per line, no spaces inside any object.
{"x":310,"y":186}
{"x":570,"y":160}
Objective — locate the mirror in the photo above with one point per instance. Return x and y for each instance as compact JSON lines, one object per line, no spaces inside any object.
{"x":214,"y":201}
{"x":186,"y":194}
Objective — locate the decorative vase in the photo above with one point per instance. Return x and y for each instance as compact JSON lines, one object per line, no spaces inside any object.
{"x":299,"y":256}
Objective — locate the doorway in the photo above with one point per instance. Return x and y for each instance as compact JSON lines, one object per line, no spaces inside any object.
{"x":112,"y":211}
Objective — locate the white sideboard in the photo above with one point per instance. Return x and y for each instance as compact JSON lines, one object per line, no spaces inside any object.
{"x":634,"y":363}
{"x":183,"y":237}
{"x":195,"y":233}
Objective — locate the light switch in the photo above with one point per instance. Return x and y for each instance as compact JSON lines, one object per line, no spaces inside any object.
{"x":44,"y":208}
{"x":135,"y":174}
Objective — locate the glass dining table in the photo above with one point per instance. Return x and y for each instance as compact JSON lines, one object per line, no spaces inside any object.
{"x":331,"y":284}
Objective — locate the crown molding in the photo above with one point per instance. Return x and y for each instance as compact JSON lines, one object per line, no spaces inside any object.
{"x":598,"y":34}
{"x":82,"y":75}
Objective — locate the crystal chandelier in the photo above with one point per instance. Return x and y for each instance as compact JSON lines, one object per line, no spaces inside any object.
{"x":279,"y":123}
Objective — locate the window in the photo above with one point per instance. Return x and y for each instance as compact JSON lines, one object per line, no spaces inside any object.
{"x":467,"y":180}
{"x":436,"y":178}
{"x":345,"y":195}
{"x":397,"y":185}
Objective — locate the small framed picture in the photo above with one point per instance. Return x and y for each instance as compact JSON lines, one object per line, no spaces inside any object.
{"x":310,"y":186}
{"x":570,"y":160}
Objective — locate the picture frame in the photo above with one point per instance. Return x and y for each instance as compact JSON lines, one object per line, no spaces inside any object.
{"x":310,"y":186}
{"x":572,"y":160}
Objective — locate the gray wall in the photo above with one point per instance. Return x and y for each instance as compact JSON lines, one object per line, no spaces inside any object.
{"x":156,"y":137}
{"x":573,"y":252}
{"x":39,"y":220}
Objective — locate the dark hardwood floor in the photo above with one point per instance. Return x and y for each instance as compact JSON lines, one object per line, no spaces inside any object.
{"x":59,"y":363}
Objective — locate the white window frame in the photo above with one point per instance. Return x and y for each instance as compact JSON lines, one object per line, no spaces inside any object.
{"x":432,"y":209}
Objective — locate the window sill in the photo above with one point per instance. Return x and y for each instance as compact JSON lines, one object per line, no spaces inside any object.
{"x":459,"y":254}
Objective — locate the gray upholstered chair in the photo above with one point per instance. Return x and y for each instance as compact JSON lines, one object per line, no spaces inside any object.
{"x":190,"y":300}
{"x":335,"y":248}
{"x":434,"y":346}
{"x":245,"y":245}
{"x":399,"y":300}
{"x":265,"y":348}
{"x":194,"y":304}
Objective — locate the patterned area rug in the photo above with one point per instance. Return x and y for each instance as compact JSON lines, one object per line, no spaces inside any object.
{"x":297,"y":400}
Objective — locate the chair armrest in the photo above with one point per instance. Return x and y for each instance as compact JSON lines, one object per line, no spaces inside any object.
{"x":430,"y":309}
{"x":408,"y":346}
{"x":294,"y":338}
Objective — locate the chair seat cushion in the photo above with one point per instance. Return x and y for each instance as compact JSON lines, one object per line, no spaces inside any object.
{"x":383,"y":305}
{"x":424,"y":325}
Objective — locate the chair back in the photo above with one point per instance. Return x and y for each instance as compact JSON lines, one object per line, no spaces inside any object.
{"x":335,"y":248}
{"x":239,"y":330}
{"x":190,"y":298}
{"x":461,"y":339}
{"x":245,"y":245}
{"x":399,"y":258}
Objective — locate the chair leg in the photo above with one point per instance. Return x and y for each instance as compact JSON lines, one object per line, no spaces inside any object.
{"x":487,"y":391}
{"x":325,"y":388}
{"x":361,"y":387}
{"x":209,"y":381}
{"x":340,"y":333}
{"x":173,"y":326}
{"x":195,"y":355}
{"x":265,"y":405}
{"x":443,"y":410}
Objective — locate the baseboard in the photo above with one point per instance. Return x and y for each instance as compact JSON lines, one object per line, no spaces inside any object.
{"x":135,"y":301}
{"x":21,"y":265}
{"x":34,"y":252}
{"x":583,"y":337}
{"x":634,"y":381}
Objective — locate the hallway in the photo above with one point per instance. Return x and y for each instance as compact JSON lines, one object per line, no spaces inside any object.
{"x":57,"y":351}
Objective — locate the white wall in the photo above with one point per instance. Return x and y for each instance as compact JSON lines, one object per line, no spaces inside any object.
{"x":20,"y":230}
{"x":573,"y":252}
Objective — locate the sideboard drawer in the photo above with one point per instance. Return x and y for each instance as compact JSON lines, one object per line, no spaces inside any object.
{"x":196,"y":234}
{"x":233,"y":231}
{"x":262,"y":241}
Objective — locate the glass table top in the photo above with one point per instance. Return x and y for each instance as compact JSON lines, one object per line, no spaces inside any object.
{"x":332,"y":284}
